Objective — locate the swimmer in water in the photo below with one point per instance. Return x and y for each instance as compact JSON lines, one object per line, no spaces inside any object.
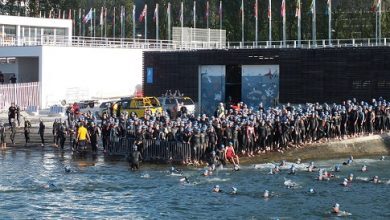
{"x":375,"y":179}
{"x":216,"y":189}
{"x":67,"y":169}
{"x":271,"y":172}
{"x":298,"y":161}
{"x":276,"y":169}
{"x":349,"y":161}
{"x":345,"y":182}
{"x":234,"y":191}
{"x":283,"y":163}
{"x":364,"y":168}
{"x":292,"y":170}
{"x":206,"y":173}
{"x":350,"y":177}
{"x":266,"y":194}
{"x":336,"y":210}
{"x":382,"y":157}
{"x":337,"y":168}
{"x":184,"y":180}
{"x":311,"y":191}
{"x":311,"y":167}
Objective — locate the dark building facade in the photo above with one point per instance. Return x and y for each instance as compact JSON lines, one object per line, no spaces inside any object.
{"x":299,"y":75}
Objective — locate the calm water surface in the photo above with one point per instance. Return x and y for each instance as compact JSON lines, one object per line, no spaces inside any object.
{"x":102,"y":189}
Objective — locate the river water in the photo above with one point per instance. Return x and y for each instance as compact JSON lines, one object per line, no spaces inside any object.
{"x":34,"y":185}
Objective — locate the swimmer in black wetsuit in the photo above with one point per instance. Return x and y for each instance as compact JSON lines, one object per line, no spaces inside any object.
{"x":134,"y":159}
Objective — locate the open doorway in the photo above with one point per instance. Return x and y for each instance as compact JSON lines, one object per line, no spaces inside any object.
{"x":233,"y":84}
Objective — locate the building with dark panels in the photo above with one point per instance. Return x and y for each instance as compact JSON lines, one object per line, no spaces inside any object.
{"x":270,"y":75}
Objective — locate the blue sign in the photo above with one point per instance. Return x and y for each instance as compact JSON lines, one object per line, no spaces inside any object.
{"x":149,"y":75}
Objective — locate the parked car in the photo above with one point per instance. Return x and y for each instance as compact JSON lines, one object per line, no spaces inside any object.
{"x":138,"y":105}
{"x":172,"y":104}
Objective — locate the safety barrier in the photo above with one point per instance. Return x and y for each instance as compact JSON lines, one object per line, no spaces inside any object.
{"x":32,"y":110}
{"x":57,"y":110}
{"x":22,"y":94}
{"x":155,"y":150}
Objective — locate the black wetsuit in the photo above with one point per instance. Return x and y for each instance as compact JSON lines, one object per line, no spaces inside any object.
{"x":134,"y":159}
{"x":27,"y":126}
{"x":41,"y":132}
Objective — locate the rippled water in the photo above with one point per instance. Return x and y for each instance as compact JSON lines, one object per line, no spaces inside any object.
{"x":108,"y":190}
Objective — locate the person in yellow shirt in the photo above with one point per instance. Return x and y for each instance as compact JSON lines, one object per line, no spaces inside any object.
{"x":82,"y":137}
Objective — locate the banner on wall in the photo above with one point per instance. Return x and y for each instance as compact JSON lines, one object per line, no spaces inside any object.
{"x":212,"y":87}
{"x":260,"y":84}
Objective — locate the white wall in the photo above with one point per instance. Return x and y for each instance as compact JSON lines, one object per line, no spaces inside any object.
{"x":90,"y":72}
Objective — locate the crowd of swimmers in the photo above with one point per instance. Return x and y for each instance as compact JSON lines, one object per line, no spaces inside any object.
{"x":232,"y":131}
{"x":323,"y":175}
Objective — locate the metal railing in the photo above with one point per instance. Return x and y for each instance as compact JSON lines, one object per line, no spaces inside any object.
{"x":155,"y":150}
{"x":151,"y":44}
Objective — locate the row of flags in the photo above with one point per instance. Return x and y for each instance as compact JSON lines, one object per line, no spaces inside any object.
{"x":103,"y":13}
{"x":91,"y":14}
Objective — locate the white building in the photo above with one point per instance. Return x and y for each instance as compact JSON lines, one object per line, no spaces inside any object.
{"x":65,"y":67}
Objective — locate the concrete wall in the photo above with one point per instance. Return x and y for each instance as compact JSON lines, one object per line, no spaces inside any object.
{"x":28,"y":69}
{"x":80,"y":73}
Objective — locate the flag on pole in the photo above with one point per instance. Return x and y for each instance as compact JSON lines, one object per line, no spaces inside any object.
{"x":242,"y":8}
{"x":122,"y":14}
{"x":70,"y":14}
{"x":143,"y":14}
{"x":155,"y":13}
{"x":376,"y":6}
{"x":269,"y":11}
{"x":101,"y":17}
{"x":194,"y":14}
{"x":59,"y":14}
{"x":298,"y":9}
{"x":312,"y":7}
{"x":220,"y":9}
{"x":207,"y":10}
{"x":88,"y":17}
{"x":256,"y":10}
{"x":50,"y":13}
{"x":283,"y":9}
{"x":181,"y":13}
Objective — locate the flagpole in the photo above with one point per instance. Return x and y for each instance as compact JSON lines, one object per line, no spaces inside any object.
{"x":157,"y":25}
{"x":284,"y":23}
{"x":101,"y":21}
{"x":207,"y":13}
{"x":299,"y":24}
{"x":257,"y":22}
{"x":194,"y":14}
{"x":376,"y":25}
{"x":380,"y":21}
{"x":83,"y":24}
{"x":146,"y":22}
{"x":113,"y":29}
{"x":270,"y":21}
{"x":330,"y":21}
{"x":169,"y":21}
{"x":74,"y":22}
{"x":220,"y":22}
{"x":242,"y":22}
{"x":193,"y":39}
{"x":105,"y":22}
{"x":314,"y":31}
{"x":121,"y":21}
{"x":182,"y":22}
{"x":94,"y":22}
{"x":79,"y":21}
{"x":134,"y":24}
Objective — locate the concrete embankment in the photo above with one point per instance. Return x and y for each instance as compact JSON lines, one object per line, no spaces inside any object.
{"x":366,"y":146}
